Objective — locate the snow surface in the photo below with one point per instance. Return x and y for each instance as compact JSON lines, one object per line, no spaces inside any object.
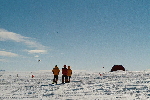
{"x":119,"y":85}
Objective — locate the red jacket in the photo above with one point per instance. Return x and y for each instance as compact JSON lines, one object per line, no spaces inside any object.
{"x":64,"y":71}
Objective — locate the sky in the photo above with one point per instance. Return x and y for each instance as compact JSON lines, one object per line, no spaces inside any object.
{"x":84,"y":34}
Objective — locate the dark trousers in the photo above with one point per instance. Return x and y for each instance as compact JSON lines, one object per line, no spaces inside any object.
{"x":64,"y":77}
{"x":69,"y":78}
{"x":55,"y":78}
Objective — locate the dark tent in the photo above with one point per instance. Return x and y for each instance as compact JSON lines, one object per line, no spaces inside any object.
{"x":117,"y":67}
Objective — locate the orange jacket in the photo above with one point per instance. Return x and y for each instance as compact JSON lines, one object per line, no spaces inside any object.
{"x":69,"y":72}
{"x":56,"y":71}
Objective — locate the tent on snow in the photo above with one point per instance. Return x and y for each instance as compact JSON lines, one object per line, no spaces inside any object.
{"x":117,"y":67}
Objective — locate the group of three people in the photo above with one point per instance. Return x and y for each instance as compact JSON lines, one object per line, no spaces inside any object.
{"x":66,"y":74}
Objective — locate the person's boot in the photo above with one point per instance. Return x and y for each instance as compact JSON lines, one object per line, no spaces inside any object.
{"x":66,"y":80}
{"x":62,"y":81}
{"x":53,"y":81}
{"x":56,"y":81}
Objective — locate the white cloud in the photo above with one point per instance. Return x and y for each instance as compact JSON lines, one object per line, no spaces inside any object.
{"x":8,"y":54}
{"x":61,"y":53}
{"x":5,"y":35}
{"x":36,"y":56}
{"x":11,"y":36}
{"x":37,"y":51}
{"x":3,"y":60}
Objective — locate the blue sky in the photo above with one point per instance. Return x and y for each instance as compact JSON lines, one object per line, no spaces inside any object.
{"x":85,"y":34}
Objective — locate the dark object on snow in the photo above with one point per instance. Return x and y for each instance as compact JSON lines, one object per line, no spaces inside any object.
{"x":117,"y":67}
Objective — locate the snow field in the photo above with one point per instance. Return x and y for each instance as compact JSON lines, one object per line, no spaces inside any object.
{"x":83,"y":86}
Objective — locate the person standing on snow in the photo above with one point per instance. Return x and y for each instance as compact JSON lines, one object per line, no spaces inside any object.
{"x":56,"y":73}
{"x":69,"y":73}
{"x":64,"y":74}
